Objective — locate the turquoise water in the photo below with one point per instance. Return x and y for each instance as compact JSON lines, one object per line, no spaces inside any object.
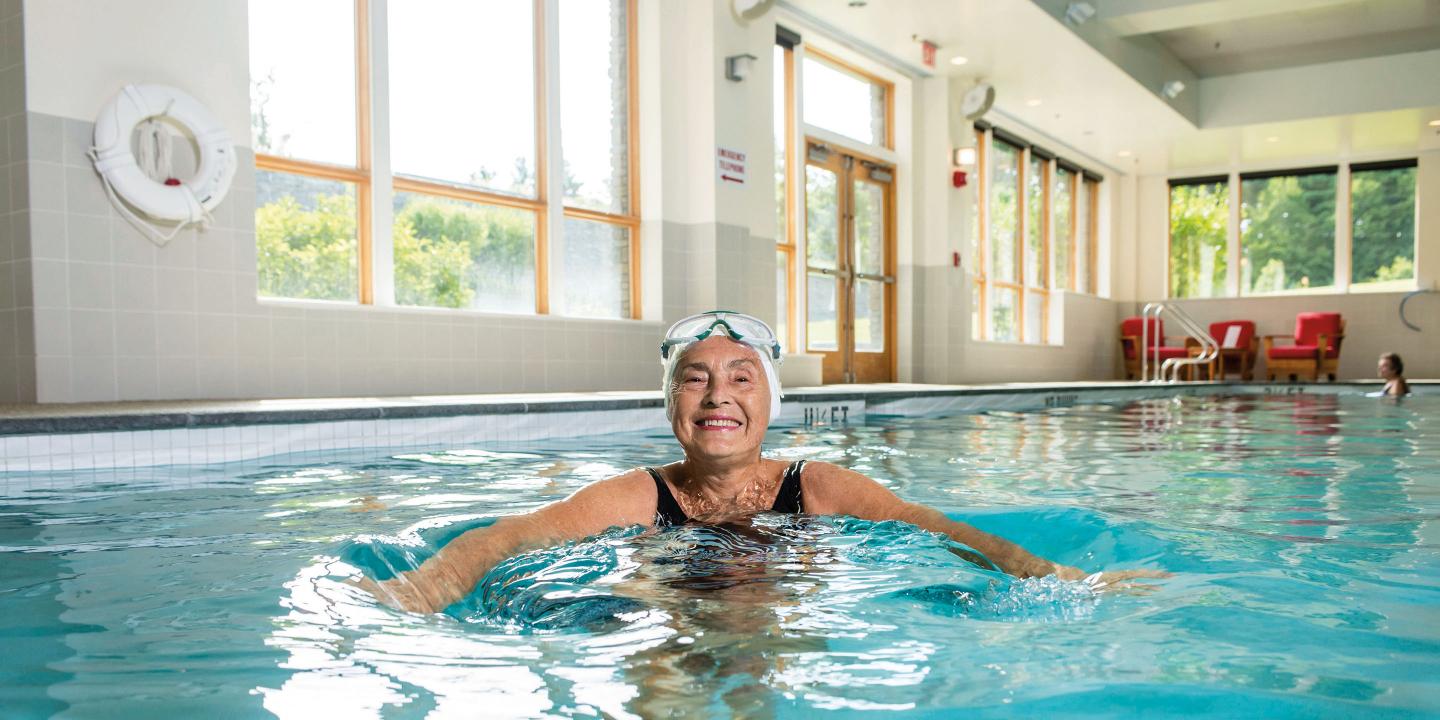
{"x":1303,"y":533}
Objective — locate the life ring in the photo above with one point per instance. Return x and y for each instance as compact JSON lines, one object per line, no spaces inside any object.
{"x":182,"y":201}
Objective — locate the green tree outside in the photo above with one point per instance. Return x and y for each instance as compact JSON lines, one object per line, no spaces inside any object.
{"x":1199,"y":218}
{"x":1287,"y":233}
{"x":1382,"y":210}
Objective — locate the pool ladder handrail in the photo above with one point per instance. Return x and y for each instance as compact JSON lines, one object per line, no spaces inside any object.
{"x":1209,"y":349}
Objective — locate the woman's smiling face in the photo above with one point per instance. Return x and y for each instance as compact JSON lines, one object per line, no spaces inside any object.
{"x":721,"y":400}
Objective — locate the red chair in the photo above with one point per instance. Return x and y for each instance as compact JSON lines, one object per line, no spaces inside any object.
{"x":1316,"y":348}
{"x":1239,"y":355}
{"x":1131,"y":337}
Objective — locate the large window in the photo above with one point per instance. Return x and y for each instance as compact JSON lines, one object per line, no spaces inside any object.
{"x":1033,"y":233}
{"x":1199,"y":216}
{"x":782,"y":92}
{"x":469,"y":169}
{"x":1287,"y":231}
{"x":1382,"y":222}
{"x":1291,"y":236}
{"x":311,"y":140}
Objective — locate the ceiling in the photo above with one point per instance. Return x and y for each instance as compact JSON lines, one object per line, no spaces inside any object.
{"x":1323,"y":31}
{"x":1081,"y":85}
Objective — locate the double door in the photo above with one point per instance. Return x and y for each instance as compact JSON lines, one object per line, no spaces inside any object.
{"x":849,"y":265}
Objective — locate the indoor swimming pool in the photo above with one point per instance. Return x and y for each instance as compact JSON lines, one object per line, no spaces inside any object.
{"x":1302,"y":531}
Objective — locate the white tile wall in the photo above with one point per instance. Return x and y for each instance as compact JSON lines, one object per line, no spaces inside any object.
{"x":185,"y":446}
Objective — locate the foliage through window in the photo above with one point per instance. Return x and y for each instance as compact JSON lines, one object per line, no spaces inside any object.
{"x":1287,"y":232}
{"x":1199,"y":217}
{"x":1382,"y":219}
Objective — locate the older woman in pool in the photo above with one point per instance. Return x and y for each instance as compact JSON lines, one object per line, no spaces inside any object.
{"x":721,"y":395}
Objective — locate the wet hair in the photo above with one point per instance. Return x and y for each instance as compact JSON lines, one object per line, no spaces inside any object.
{"x":1395,"y":362}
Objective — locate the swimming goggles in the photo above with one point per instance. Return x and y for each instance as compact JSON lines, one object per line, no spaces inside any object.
{"x":739,"y":326}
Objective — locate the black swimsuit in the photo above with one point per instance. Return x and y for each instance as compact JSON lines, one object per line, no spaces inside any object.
{"x":668,"y":512}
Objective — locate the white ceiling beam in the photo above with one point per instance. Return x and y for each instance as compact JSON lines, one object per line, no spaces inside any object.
{"x":1144,"y":17}
{"x":1392,"y":82}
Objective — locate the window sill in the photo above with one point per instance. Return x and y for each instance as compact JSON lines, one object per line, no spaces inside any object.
{"x":1365,"y":289}
{"x":342,"y":306}
{"x":1011,"y":343}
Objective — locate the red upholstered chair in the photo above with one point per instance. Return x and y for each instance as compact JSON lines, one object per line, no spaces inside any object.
{"x":1316,"y":350}
{"x":1239,"y":356}
{"x":1131,"y":337}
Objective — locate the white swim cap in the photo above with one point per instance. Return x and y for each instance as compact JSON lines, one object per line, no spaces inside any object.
{"x":675,"y":347}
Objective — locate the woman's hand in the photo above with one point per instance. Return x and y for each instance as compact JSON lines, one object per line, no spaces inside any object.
{"x":1111,"y":580}
{"x":403,"y":593}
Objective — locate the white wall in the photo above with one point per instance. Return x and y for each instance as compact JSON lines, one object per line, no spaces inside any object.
{"x":1391,"y":82}
{"x":80,"y":53}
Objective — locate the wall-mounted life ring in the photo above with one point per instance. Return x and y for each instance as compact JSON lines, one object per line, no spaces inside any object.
{"x":173,"y":200}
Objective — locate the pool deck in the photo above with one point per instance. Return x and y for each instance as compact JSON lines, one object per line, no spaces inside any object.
{"x":32,"y":419}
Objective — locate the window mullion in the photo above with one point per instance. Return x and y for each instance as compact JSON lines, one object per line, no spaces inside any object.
{"x":1344,"y":242}
{"x":550,"y":241}
{"x":382,"y":192}
{"x":1232,"y":236}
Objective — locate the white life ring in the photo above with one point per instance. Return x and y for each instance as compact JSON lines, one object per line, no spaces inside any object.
{"x":185,"y":201}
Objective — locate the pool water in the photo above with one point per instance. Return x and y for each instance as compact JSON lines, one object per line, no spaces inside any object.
{"x":1302,"y":531}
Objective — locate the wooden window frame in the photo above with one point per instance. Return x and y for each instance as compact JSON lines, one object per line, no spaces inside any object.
{"x":787,"y":244}
{"x":361,"y":175}
{"x":982,"y":227}
{"x":1092,"y":231}
{"x":888,"y":142}
{"x":630,"y":220}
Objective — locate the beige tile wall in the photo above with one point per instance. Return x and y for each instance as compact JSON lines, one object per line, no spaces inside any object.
{"x":117,"y":318}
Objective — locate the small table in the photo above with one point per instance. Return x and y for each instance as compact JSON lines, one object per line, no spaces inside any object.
{"x":1241,"y":360}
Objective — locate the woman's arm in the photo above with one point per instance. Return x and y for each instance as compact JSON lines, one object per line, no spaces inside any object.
{"x":454,"y":571}
{"x":831,"y":490}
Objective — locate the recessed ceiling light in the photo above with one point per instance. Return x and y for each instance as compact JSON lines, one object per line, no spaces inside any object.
{"x":1435,"y":123}
{"x":959,"y":60}
{"x":1123,"y":153}
{"x":1033,"y":102}
{"x":1273,"y":138}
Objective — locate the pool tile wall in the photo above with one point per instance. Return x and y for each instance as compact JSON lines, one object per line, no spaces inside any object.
{"x":90,"y":442}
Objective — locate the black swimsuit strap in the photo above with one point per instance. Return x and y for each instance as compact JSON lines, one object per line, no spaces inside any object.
{"x":667,"y":510}
{"x":788,"y":500}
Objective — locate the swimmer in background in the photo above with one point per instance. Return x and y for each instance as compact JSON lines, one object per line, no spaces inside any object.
{"x":721,"y":394}
{"x":1392,"y":370}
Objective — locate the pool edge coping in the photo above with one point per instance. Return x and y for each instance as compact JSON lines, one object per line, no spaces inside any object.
{"x":215,"y":414}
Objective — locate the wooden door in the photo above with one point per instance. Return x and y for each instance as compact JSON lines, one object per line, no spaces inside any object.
{"x":849,"y":265}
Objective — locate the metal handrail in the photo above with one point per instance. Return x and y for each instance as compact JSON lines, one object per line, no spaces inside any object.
{"x":1209,"y":349}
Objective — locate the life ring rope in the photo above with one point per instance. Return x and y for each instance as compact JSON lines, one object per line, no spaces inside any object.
{"x":133,"y":189}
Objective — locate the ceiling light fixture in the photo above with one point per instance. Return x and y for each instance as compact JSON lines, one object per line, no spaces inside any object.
{"x":1172,"y":89}
{"x":1435,"y":123}
{"x":959,"y":60}
{"x":1033,"y":102}
{"x":1077,"y":13}
{"x":1123,"y":153}
{"x":1273,"y":138}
